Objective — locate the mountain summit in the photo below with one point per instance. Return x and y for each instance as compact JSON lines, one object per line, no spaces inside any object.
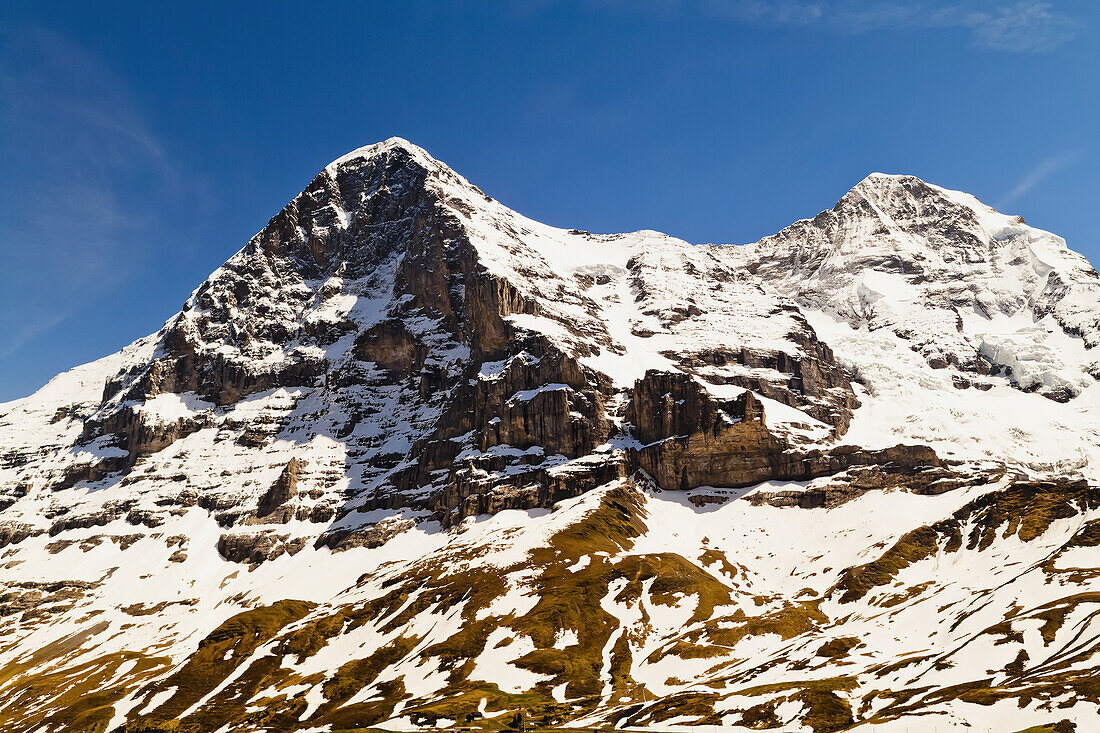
{"x":410,"y":458}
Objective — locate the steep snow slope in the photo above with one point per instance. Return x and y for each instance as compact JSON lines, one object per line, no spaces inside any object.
{"x":904,"y":399}
{"x":967,"y":286}
{"x":410,"y":458}
{"x":939,"y":304}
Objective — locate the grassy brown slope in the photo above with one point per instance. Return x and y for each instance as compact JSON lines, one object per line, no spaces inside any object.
{"x":218,"y":656}
{"x":265,"y":694}
{"x":1025,"y":510}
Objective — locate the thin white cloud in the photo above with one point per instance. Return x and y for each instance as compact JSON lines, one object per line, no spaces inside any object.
{"x":1046,"y":168}
{"x":1023,"y":26}
{"x":1012,"y":26}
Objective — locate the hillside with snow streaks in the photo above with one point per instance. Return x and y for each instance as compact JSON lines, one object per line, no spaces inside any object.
{"x":411,"y":459}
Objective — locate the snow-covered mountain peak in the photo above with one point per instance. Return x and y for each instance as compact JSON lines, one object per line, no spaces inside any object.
{"x":923,"y":216}
{"x":934,"y":217}
{"x":907,"y":204}
{"x":396,"y":155}
{"x":877,"y":180}
{"x":411,"y":458}
{"x":944,"y":271}
{"x":386,"y":146}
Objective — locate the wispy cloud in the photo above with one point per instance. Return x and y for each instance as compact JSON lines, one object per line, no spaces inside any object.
{"x":1020,"y":26}
{"x":1024,"y":26}
{"x":79,"y":169}
{"x":1045,"y":169}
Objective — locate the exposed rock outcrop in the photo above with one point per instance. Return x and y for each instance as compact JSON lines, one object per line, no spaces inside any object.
{"x":691,"y":439}
{"x":12,"y":533}
{"x":282,"y":491}
{"x":256,"y":547}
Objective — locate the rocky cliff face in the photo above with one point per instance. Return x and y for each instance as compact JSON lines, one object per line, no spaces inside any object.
{"x":412,"y":457}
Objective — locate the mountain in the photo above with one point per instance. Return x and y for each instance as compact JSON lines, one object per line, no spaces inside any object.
{"x":410,"y":459}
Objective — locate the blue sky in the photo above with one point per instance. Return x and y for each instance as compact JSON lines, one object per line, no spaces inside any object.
{"x":142,"y":145}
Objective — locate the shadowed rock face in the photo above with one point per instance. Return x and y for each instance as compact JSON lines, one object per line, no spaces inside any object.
{"x":258,"y":304}
{"x":283,"y":490}
{"x":496,"y":438}
{"x":693,"y":440}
